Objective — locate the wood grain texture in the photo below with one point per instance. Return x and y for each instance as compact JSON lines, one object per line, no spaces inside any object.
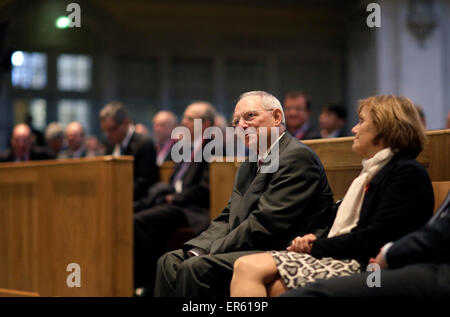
{"x":54,"y":213}
{"x":166,"y":171}
{"x":440,"y":190}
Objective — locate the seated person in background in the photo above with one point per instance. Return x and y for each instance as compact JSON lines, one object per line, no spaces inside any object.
{"x":54,"y":136}
{"x":297,"y":108}
{"x":117,"y":127}
{"x":142,"y":129}
{"x":266,"y":208}
{"x":22,"y":149}
{"x":332,"y":121}
{"x":416,"y":265}
{"x":37,"y":137}
{"x":182,"y":203}
{"x":163,"y":124}
{"x":76,"y":146}
{"x":94,"y":147}
{"x":391,"y":197}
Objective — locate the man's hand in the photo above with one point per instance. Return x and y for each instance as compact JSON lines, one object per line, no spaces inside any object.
{"x":380,"y":260}
{"x":169,"y":198}
{"x":302,"y":244}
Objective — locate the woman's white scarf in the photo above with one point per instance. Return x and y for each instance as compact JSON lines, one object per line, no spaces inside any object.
{"x":348,"y":213}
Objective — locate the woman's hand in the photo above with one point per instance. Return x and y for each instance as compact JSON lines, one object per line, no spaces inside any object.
{"x":380,"y":260}
{"x":302,"y":244}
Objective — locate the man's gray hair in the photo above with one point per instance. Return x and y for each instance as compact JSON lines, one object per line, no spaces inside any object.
{"x":268,"y":101}
{"x":115,"y":110}
{"x":54,"y":131}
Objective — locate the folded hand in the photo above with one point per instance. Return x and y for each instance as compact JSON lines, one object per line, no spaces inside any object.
{"x":302,"y":244}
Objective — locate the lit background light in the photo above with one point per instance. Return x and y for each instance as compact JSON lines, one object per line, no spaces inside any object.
{"x":17,"y":58}
{"x":62,"y":22}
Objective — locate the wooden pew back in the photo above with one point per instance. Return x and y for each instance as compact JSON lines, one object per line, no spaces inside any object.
{"x":440,"y":190}
{"x":54,"y":213}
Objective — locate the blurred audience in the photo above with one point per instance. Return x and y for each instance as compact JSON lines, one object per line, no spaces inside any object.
{"x":94,"y":147}
{"x":22,"y":148}
{"x":142,"y":129}
{"x":120,"y":132}
{"x":76,"y":146}
{"x":332,"y":121}
{"x":54,"y":136}
{"x":297,"y":110}
{"x":184,"y":202}
{"x":163,"y":124}
{"x":37,"y":137}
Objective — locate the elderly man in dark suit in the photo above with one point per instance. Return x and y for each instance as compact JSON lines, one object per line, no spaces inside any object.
{"x":182,"y":203}
{"x":22,"y":148}
{"x":120,"y":131}
{"x":265,"y":210}
{"x":416,"y":265}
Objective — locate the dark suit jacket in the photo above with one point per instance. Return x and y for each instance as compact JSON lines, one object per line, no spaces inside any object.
{"x":145,"y":171}
{"x":399,"y":200}
{"x":193,"y":199}
{"x":35,"y":155}
{"x":430,"y":244}
{"x":194,"y":196}
{"x":267,"y":210}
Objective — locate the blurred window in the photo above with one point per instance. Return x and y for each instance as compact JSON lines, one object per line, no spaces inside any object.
{"x":29,"y":70}
{"x":74,"y":72}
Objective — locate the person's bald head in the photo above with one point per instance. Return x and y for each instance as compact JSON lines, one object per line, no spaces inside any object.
{"x":75,"y":135}
{"x":198,"y":110}
{"x":163,"y":124}
{"x":21,"y":140}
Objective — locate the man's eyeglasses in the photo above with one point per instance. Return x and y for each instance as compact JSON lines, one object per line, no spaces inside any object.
{"x":247,"y":117}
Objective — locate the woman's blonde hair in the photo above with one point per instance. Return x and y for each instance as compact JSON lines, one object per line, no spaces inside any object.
{"x":397,"y":122}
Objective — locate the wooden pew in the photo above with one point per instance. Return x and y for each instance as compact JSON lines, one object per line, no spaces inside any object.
{"x":14,"y":293}
{"x":53,"y":213}
{"x":440,"y":190}
{"x":165,"y":171}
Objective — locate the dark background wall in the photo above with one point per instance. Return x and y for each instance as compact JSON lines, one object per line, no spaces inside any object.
{"x":164,"y":54}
